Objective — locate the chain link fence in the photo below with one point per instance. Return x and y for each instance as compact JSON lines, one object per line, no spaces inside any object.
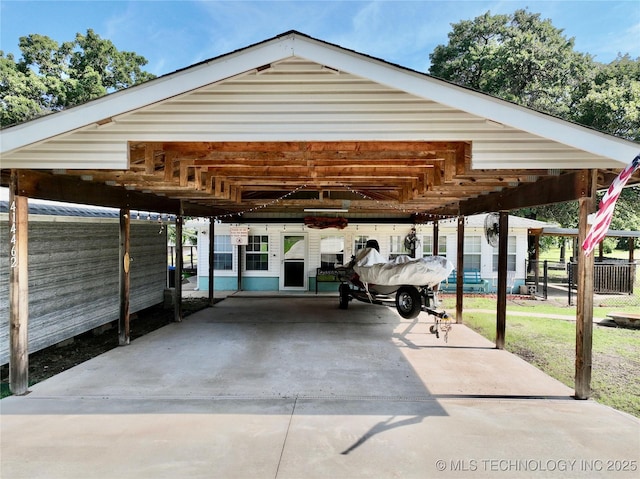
{"x":616,"y":283}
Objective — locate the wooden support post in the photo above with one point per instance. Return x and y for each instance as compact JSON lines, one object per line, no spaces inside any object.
{"x":177,"y":310}
{"x":125,"y":277}
{"x":584,"y":306}
{"x":501,"y":315}
{"x":211,"y":260}
{"x":18,"y":289}
{"x":239,"y":250}
{"x":436,"y":245}
{"x":460,"y":270}
{"x":536,"y":272}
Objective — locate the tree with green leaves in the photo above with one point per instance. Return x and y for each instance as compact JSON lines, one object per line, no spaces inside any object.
{"x":526,"y":60}
{"x":51,"y":76}
{"x":611,"y":101}
{"x":519,"y":57}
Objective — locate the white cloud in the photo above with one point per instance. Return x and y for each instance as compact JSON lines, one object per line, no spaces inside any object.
{"x":625,"y":41}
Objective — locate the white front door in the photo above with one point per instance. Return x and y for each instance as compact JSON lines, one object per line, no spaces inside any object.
{"x":294,"y":261}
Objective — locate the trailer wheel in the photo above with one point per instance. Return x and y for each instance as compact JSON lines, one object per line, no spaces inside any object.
{"x":408,"y":302}
{"x":343,"y":291}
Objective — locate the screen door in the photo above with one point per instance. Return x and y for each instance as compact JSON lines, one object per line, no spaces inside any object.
{"x":294,"y":253}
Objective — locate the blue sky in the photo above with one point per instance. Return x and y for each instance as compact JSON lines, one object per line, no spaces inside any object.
{"x":176,"y":34}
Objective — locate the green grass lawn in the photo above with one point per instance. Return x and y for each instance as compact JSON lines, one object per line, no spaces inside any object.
{"x":553,"y":254}
{"x":559,"y":275}
{"x":533,"y":306}
{"x":549,"y":344}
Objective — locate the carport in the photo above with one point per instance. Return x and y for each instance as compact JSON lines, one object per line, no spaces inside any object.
{"x":294,"y":124}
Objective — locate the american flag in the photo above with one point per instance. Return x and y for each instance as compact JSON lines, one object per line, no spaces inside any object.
{"x":605,"y":211}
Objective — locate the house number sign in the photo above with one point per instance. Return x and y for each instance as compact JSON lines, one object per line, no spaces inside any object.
{"x":13,"y":256}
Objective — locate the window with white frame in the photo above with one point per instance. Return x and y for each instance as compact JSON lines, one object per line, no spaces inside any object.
{"x":427,"y":246}
{"x":511,"y":255}
{"x":257,"y":253}
{"x":331,"y":251}
{"x":222,"y":253}
{"x":396,"y":246}
{"x":472,"y":253}
{"x":359,"y":242}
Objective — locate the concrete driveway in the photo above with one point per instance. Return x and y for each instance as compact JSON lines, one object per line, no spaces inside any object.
{"x":296,"y":388}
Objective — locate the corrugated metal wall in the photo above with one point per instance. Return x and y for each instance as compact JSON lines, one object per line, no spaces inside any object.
{"x":74,"y":275}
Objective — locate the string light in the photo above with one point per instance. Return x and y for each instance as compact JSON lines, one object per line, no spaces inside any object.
{"x":260,"y":207}
{"x":393,"y":205}
{"x":388,"y":204}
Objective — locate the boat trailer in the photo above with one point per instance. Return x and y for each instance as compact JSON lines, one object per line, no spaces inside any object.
{"x":408,"y":300}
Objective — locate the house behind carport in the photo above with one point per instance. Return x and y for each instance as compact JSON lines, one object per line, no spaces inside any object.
{"x":323,"y":249}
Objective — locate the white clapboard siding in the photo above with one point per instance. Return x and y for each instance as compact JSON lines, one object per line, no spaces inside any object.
{"x":299,"y":100}
{"x":74,"y":277}
{"x":518,"y":230}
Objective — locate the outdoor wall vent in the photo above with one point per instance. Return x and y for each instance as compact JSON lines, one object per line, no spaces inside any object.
{"x":105,"y":122}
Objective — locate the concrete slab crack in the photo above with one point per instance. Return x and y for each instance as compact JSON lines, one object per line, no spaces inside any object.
{"x":286,"y":435}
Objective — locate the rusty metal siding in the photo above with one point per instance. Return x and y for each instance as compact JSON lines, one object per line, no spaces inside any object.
{"x":74,"y":274}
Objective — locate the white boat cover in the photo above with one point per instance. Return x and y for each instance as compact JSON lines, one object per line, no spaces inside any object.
{"x":372,"y":268}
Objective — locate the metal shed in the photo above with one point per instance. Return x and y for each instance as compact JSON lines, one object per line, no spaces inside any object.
{"x":73,"y":271}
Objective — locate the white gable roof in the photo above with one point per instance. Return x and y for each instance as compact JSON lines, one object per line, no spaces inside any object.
{"x":276,"y":87}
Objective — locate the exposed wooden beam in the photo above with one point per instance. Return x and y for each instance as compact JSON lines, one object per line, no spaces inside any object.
{"x":504,"y":174}
{"x":210,"y":177}
{"x":567,"y":187}
{"x":149,"y":159}
{"x":315,"y":147}
{"x":41,"y":185}
{"x":359,"y":162}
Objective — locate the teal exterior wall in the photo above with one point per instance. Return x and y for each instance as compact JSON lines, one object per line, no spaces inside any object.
{"x":261,"y":284}
{"x":323,"y":287}
{"x":230,"y":283}
{"x":222,"y":283}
